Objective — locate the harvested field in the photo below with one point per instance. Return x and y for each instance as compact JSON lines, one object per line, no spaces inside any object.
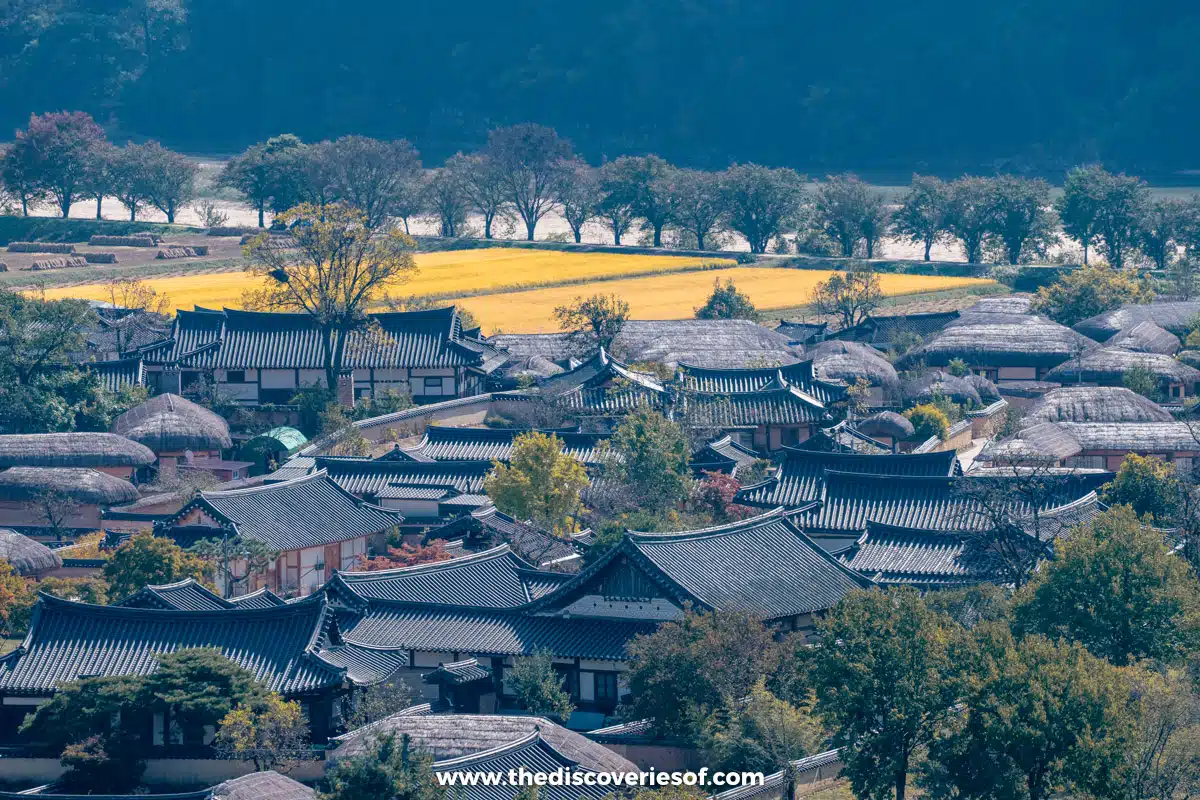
{"x":454,"y":273}
{"x":677,"y":296}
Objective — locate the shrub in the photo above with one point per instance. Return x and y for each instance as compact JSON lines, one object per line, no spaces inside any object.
{"x":726,"y":302}
{"x":928,"y":421}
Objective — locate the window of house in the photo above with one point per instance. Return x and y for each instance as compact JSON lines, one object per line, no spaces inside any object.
{"x":606,"y":689}
{"x":433,"y":386}
{"x":570,"y":679}
{"x":235,"y":376}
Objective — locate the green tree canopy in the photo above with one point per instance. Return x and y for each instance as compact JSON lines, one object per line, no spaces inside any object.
{"x":1148,"y":486}
{"x":921,"y":218}
{"x":1040,"y":716}
{"x":539,"y":687}
{"x":1088,"y":291}
{"x":1115,"y":587}
{"x":649,"y":454}
{"x":887,"y":676}
{"x":689,"y":668}
{"x":388,"y":770}
{"x":726,"y":302}
{"x":760,"y":733}
{"x":596,"y":320}
{"x":149,"y":560}
{"x":540,"y":482}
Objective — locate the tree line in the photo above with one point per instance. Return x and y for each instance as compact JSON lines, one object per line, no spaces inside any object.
{"x":527,"y":171}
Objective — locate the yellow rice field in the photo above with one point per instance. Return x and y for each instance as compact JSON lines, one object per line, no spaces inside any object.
{"x":677,"y":296}
{"x":453,"y":272}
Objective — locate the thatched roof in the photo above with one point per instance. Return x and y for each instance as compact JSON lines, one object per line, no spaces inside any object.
{"x":1109,"y":365}
{"x":88,"y":486}
{"x":713,"y":343}
{"x":885,"y":423}
{"x":1189,"y":357}
{"x":170,"y":423}
{"x":25,"y":555}
{"x":445,"y":736}
{"x":1001,"y":340}
{"x":936,"y":382}
{"x":1095,"y":404}
{"x":1043,"y":441}
{"x":72,"y":450}
{"x":1175,"y":317}
{"x":269,"y":785}
{"x":1146,"y":337}
{"x":849,"y":361}
{"x":1010,"y":304}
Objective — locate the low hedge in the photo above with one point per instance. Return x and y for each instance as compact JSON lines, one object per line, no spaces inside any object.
{"x":56,"y":229}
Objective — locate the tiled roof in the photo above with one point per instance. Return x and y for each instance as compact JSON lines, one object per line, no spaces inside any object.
{"x":364,"y":664}
{"x":488,"y":524}
{"x":787,"y":405}
{"x":495,"y":578}
{"x":763,"y":566}
{"x":730,"y":381}
{"x":532,"y":753}
{"x":232,"y":339}
{"x":69,"y":640}
{"x":263,"y":598}
{"x":907,"y":555}
{"x":185,"y":595}
{"x":294,"y":467}
{"x":497,"y":632}
{"x":722,"y":455}
{"x":603,"y":383}
{"x":801,"y":332}
{"x":882,"y":331}
{"x":458,"y":673}
{"x":305,"y":512}
{"x":118,"y":374}
{"x":366,"y":478}
{"x":850,"y":500}
{"x":799,"y":478}
{"x":495,"y":444}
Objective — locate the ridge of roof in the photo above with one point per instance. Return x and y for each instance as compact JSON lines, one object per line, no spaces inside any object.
{"x":499,"y":551}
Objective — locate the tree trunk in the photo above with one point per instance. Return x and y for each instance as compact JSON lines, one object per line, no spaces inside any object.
{"x":928,"y":247}
{"x":617,"y":237}
{"x":170,"y":215}
{"x":261,"y":210}
{"x":699,"y":240}
{"x":24,"y":206}
{"x":579,"y":235}
{"x":529,"y":228}
{"x":1085,"y":253}
{"x":901,"y":784}
{"x":99,"y":205}
{"x":487,"y":226}
{"x":406,"y":233}
{"x":133,"y":213}
{"x":658,"y":235}
{"x":870,"y":248}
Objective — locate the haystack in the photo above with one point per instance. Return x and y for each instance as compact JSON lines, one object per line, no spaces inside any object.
{"x":66,"y":262}
{"x":100,"y":258}
{"x":139,"y":240}
{"x":40,"y":247}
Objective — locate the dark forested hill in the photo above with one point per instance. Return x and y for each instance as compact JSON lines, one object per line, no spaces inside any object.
{"x":867,"y":84}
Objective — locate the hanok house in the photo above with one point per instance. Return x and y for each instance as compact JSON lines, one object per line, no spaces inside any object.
{"x":1001,"y":347}
{"x":182,"y":435}
{"x":417,"y":619}
{"x":929,"y":559}
{"x":38,"y":499}
{"x":762,"y":408}
{"x":104,"y":452}
{"x":487,"y":527}
{"x":1096,"y":445}
{"x":1176,"y":317}
{"x":423,"y":492}
{"x":314,"y":525}
{"x":852,"y":362}
{"x":603,"y":386}
{"x":764,"y":566}
{"x":1108,"y":366}
{"x":896,"y":330}
{"x":68,"y":641}
{"x":188,"y":595}
{"x":444,"y":443}
{"x":1094,"y":404}
{"x":260,"y":357}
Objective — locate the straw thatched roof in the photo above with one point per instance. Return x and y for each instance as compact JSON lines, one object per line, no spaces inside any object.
{"x":87,"y":486}
{"x":849,"y":361}
{"x":170,"y":423}
{"x":25,"y":555}
{"x":886,"y":423}
{"x":1175,"y":317}
{"x":1095,"y":404}
{"x":269,"y":785}
{"x":72,"y":450}
{"x":445,"y":736}
{"x":712,"y":343}
{"x":1009,"y":304}
{"x":1001,"y":340}
{"x":1146,"y":337}
{"x":936,"y":382}
{"x":1109,"y":365}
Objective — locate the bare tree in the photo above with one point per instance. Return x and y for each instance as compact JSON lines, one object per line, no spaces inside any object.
{"x":481,"y":185}
{"x":760,"y":203}
{"x":698,"y":208}
{"x":969,"y":214}
{"x":579,"y":194}
{"x":616,"y":209}
{"x":55,"y":510}
{"x":446,"y":197}
{"x":528,"y":159}
{"x":851,"y":296}
{"x":921,"y":218}
{"x":368,"y":173}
